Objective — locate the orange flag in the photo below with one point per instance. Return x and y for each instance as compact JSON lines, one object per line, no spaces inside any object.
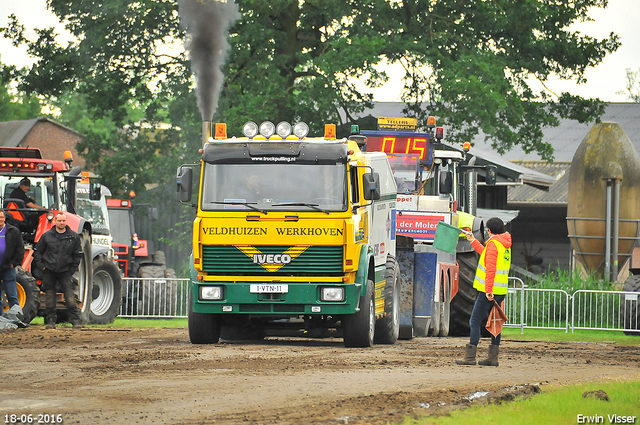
{"x":496,"y":319}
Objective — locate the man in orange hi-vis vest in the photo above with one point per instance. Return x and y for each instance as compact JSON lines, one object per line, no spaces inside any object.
{"x":492,"y":277}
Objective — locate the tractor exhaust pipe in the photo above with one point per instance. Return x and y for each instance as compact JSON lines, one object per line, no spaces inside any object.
{"x":206,"y":132}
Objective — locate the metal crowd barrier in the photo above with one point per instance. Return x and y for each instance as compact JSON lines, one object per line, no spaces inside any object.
{"x":154,"y":297}
{"x":584,"y":309}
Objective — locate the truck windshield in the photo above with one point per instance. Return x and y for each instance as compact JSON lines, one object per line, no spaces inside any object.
{"x":94,"y":213}
{"x":274,"y":187}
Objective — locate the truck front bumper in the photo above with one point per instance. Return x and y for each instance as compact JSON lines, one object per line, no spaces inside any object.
{"x":274,"y":298}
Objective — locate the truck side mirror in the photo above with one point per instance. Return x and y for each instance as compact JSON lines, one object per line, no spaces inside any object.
{"x":371,"y":186}
{"x":184,"y":179}
{"x":153,"y":214}
{"x":445,"y":182}
{"x":491,"y":175}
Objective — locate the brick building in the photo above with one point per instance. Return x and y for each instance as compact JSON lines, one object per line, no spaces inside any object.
{"x":52,"y":138}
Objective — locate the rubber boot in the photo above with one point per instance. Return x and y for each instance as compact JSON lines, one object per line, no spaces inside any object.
{"x":469,"y":356}
{"x":492,"y":360}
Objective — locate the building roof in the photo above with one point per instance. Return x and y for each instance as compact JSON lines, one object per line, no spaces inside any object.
{"x":557,"y":193}
{"x":13,"y":132}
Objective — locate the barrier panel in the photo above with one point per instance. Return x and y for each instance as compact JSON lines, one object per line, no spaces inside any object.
{"x":154,"y":297}
{"x":536,"y":308}
{"x":605,"y":310}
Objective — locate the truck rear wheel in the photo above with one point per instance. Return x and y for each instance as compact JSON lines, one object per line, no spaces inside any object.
{"x":28,"y":294}
{"x":203,"y":328}
{"x":388,"y":327}
{"x":630,"y":308}
{"x":359,"y":327}
{"x":462,"y":304}
{"x":445,"y":307}
{"x":107,"y":287}
{"x":83,"y":279}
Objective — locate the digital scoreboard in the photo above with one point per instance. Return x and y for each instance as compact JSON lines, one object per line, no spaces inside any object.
{"x":400,"y":142}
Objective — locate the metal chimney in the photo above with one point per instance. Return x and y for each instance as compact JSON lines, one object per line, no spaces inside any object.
{"x":206,"y":132}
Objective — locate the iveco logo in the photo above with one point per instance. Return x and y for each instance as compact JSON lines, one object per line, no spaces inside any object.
{"x":271,"y":258}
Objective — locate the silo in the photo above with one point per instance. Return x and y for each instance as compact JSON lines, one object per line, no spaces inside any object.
{"x":604,"y":181}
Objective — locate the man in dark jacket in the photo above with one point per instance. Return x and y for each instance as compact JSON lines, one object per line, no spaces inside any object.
{"x":58,"y":254}
{"x":11,"y":255}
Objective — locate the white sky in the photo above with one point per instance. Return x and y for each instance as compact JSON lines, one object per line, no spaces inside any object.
{"x":603,"y":81}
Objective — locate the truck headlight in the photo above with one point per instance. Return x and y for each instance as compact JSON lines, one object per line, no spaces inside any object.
{"x":211,"y":293}
{"x":332,"y":293}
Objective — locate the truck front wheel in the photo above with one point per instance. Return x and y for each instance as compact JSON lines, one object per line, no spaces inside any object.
{"x":359,"y":327}
{"x":203,"y":328}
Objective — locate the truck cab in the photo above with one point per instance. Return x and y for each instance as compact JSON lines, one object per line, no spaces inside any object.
{"x":292,"y":235}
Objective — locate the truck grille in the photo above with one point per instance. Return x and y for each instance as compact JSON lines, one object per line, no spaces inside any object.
{"x":314,"y":261}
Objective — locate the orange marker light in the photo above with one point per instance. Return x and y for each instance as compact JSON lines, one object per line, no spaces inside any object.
{"x":330,"y":131}
{"x":221,"y":130}
{"x":132,"y":194}
{"x":431,"y":121}
{"x":68,"y":157}
{"x":466,"y":146}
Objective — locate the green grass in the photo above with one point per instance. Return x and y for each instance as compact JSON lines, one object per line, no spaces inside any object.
{"x":555,"y":405}
{"x":133,"y":323}
{"x":578,"y":335}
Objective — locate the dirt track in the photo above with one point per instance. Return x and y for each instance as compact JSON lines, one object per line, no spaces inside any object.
{"x":99,"y":376}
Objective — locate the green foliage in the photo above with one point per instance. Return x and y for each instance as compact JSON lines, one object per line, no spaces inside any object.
{"x":15,"y":107}
{"x":569,"y":281}
{"x":633,"y":85}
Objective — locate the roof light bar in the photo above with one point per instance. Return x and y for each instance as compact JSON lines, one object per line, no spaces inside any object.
{"x":283,"y":129}
{"x":267,"y":129}
{"x":250,"y":129}
{"x":300,"y":130}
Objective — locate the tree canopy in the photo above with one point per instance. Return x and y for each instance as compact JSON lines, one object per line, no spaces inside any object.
{"x":469,"y":63}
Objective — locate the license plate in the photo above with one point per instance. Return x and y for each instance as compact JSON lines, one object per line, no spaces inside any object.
{"x":269,"y":289}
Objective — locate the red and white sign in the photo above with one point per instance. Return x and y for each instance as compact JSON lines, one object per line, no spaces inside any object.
{"x":419,"y":226}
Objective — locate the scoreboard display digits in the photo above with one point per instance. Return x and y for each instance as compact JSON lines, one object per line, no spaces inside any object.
{"x":398,"y":144}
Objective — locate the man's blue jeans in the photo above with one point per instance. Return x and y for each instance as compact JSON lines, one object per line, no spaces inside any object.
{"x":8,"y":278}
{"x":481,"y":311}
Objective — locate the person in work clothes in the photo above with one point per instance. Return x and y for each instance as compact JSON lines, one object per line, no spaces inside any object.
{"x":11,"y":255}
{"x":57,"y":256}
{"x":492,"y":276}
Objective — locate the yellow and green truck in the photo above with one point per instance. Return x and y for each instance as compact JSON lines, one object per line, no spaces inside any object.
{"x":292,"y":235}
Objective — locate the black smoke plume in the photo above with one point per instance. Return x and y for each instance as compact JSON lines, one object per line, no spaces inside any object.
{"x":207,"y":23}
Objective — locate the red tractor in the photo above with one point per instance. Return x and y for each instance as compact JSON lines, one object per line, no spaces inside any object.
{"x":52,"y":186}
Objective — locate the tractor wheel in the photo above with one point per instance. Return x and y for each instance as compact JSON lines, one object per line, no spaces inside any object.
{"x":359,"y":328}
{"x":462,"y":304}
{"x":107,"y":287}
{"x":28,"y":294}
{"x":83,"y":279}
{"x":160,"y":258}
{"x":158,"y":297}
{"x":388,"y":327}
{"x":203,"y":328}
{"x":629,"y":307}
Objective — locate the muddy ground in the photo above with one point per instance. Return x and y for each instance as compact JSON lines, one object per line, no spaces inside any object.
{"x":141,"y":376}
